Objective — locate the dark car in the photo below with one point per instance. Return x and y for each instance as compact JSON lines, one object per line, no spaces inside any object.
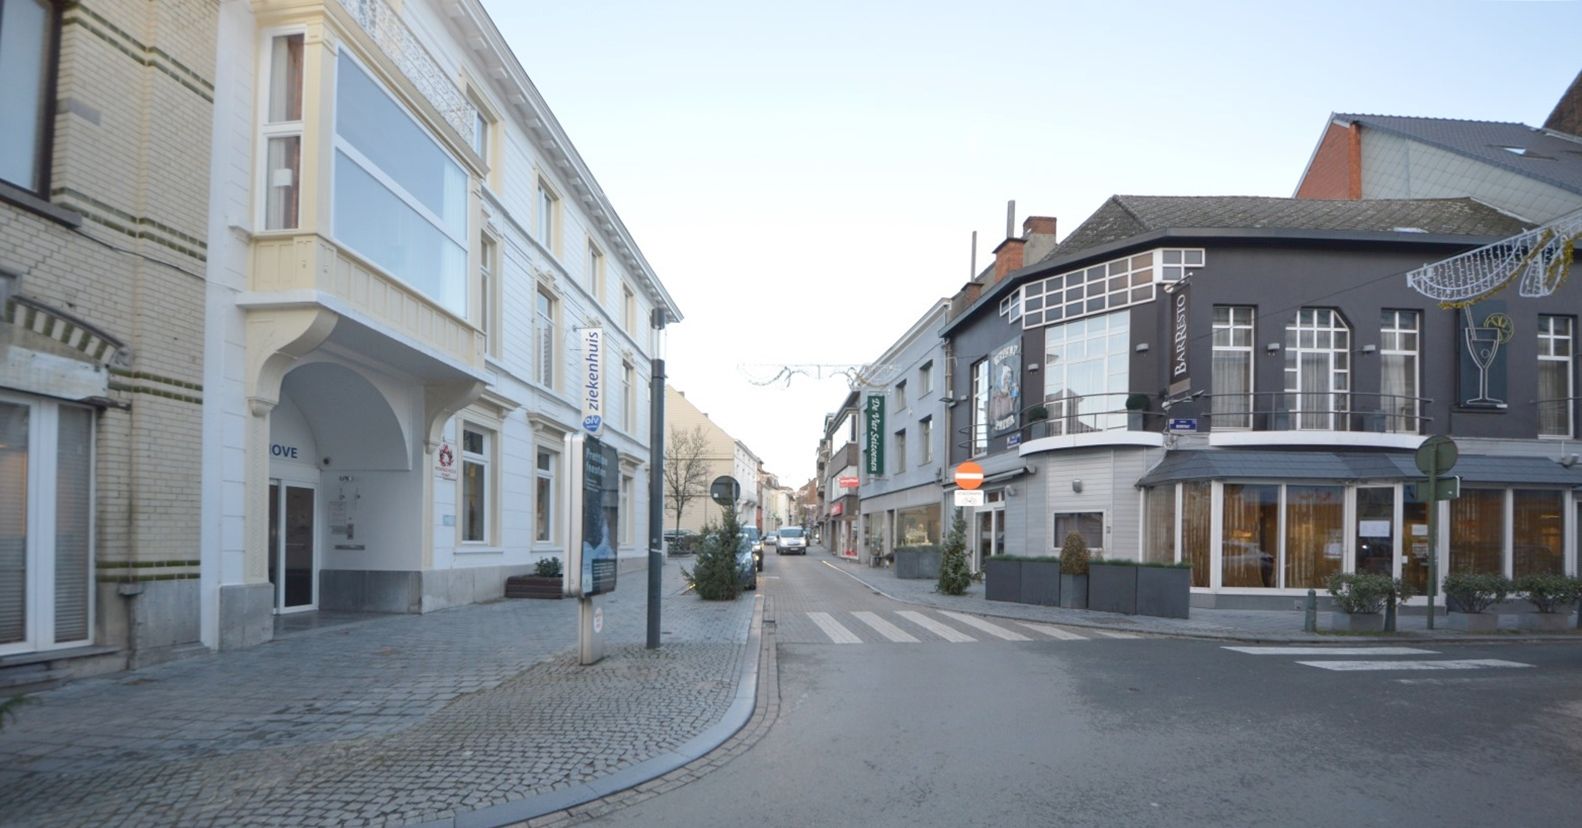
{"x":746,"y":566}
{"x":751,"y":534}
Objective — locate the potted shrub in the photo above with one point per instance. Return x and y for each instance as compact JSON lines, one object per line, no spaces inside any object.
{"x":919,"y":562}
{"x":1112,"y":586}
{"x":953,"y":574}
{"x":1041,"y":581}
{"x":1552,"y":597}
{"x":1037,"y":422}
{"x":1002,"y":578}
{"x":1137,"y":412}
{"x":1359,"y":601}
{"x":1471,"y":594}
{"x":1074,"y":572}
{"x":545,"y":582}
{"x":1164,"y":590}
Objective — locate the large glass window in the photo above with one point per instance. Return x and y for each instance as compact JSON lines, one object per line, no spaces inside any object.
{"x":544,"y":496}
{"x":1398,"y":340}
{"x":1099,"y":288}
{"x":1160,"y":525}
{"x":1414,"y":542}
{"x":917,"y":527}
{"x":1555,"y":376}
{"x":1197,"y":511}
{"x":1085,"y":373}
{"x":282,"y":132}
{"x":1375,"y":530}
{"x":1317,"y":369}
{"x":1315,"y":534}
{"x":1251,"y":542}
{"x":1477,"y":531}
{"x":1232,"y":367}
{"x":400,"y":201}
{"x":27,"y":49}
{"x":544,"y":323}
{"x":476,"y":445}
{"x":1538,"y":539}
{"x":628,"y":309}
{"x":1089,"y":525}
{"x":980,"y":407}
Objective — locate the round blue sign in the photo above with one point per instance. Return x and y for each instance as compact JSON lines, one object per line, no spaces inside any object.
{"x":591,"y":423}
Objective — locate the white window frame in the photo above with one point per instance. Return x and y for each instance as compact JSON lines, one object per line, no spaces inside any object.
{"x":489,"y":292}
{"x":925,"y":438}
{"x":1318,"y":322}
{"x":628,"y":308}
{"x":267,"y":130}
{"x":628,"y":519}
{"x":1101,"y":288}
{"x":546,"y":340}
{"x":596,"y":273}
{"x":1396,"y":327}
{"x":900,"y":396}
{"x":925,"y":379}
{"x":978,"y":436}
{"x":1065,"y":412}
{"x":547,"y":210}
{"x":1234,"y":325}
{"x":488,"y":459}
{"x":545,"y":530}
{"x":1549,"y":340}
{"x":1057,"y":540}
{"x":628,"y":396}
{"x":899,"y":446}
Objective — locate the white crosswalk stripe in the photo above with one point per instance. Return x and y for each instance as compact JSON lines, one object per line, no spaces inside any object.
{"x":1446,"y":664}
{"x":991,"y":629}
{"x":947,"y":633}
{"x":1053,"y":632}
{"x":1326,"y":651}
{"x":885,"y":628}
{"x":833,"y":629}
{"x":1113,"y":634}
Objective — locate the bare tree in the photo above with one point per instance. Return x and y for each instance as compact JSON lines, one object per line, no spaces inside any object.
{"x":686,"y":469}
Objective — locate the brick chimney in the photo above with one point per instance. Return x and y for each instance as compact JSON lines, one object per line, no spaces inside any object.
{"x":1007,"y":257}
{"x":1039,"y":234}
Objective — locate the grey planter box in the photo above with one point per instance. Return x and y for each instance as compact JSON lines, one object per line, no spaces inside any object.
{"x":920,"y":563}
{"x":1164,"y":591}
{"x":1356,"y":622}
{"x":1041,"y":583}
{"x":1112,"y":588}
{"x":1073,"y":591}
{"x":1002,"y":579}
{"x":1545,"y":621}
{"x":1474,"y":622}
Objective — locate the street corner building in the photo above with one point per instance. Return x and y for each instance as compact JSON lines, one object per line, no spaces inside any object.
{"x":313,"y":338}
{"x":1240,"y":383}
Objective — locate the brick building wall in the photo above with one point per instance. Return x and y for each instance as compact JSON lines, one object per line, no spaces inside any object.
{"x":1336,"y":169}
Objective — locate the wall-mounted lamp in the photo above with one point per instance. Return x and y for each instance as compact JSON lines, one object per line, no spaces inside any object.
{"x":1272,"y":348}
{"x":1032,"y":366}
{"x":1010,"y":492}
{"x":1142,"y":348}
{"x":1370,"y":349}
{"x":1076,"y":486}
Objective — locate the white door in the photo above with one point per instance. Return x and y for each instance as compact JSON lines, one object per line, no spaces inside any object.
{"x":293,"y":546}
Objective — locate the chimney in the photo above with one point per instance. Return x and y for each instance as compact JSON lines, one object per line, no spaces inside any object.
{"x":1039,"y":234}
{"x":1007,"y":257}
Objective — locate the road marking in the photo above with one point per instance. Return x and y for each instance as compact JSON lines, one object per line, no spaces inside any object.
{"x":1053,"y":632}
{"x":1112,"y":634}
{"x":991,"y":629}
{"x":885,"y":628}
{"x":1449,"y":664}
{"x":833,"y":629}
{"x":1296,"y":651}
{"x":935,"y":627}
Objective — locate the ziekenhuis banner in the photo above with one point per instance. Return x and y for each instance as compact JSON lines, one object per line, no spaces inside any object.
{"x":873,"y":435}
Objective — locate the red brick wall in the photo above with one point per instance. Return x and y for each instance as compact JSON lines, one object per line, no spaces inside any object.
{"x":1336,"y":171}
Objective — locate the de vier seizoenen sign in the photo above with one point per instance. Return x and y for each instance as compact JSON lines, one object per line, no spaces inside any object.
{"x":873,"y":435}
{"x":592,"y":380}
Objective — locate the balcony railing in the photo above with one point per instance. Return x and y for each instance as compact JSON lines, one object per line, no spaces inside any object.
{"x":384,"y":24}
{"x":1351,"y":411}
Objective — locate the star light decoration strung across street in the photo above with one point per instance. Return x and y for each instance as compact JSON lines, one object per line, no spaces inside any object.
{"x":857,"y":376}
{"x":1539,"y":260}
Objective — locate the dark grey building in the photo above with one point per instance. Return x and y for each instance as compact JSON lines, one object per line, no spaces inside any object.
{"x":1240,"y":383}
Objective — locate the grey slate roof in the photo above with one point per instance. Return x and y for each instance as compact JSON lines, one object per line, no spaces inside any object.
{"x":1123,"y":216}
{"x":1220,"y":464}
{"x":1555,"y":158}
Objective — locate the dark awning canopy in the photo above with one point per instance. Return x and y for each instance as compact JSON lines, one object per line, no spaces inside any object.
{"x":1342,"y":466}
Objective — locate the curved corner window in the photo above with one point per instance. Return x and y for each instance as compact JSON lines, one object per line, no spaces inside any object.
{"x":400,"y":200}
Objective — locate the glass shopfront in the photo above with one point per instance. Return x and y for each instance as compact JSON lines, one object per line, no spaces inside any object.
{"x":917,"y":527}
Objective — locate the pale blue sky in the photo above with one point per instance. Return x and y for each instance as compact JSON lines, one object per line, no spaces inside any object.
{"x":805,"y":176}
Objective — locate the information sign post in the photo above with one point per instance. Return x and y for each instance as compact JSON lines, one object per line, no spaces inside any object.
{"x":592,"y":519}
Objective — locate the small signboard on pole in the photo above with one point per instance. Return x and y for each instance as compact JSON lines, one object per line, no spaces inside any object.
{"x":967,"y":497}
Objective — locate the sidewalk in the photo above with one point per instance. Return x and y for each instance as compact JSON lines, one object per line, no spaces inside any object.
{"x":474,"y":715}
{"x":1235,"y":625}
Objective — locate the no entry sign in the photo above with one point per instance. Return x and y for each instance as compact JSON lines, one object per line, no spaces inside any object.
{"x":969,"y":475}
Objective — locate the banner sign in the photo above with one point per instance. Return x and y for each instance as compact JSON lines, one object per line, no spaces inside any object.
{"x":1180,"y":336}
{"x":848,"y":482}
{"x":601,"y":500}
{"x":592,"y":380}
{"x":1481,"y":339}
{"x":873,"y":435}
{"x":1005,"y":387}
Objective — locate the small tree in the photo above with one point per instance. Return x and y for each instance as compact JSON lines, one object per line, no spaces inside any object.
{"x":953,"y":574}
{"x":1074,"y":555}
{"x":686,"y":471}
{"x":716,"y":577}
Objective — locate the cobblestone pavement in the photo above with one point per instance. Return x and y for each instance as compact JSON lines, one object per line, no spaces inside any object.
{"x":1239,"y":625}
{"x":393,"y":720}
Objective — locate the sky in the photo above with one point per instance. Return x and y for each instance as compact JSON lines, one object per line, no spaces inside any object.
{"x":804,"y":177}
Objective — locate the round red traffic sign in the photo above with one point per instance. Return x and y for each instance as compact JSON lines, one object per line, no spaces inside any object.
{"x":969,"y":475}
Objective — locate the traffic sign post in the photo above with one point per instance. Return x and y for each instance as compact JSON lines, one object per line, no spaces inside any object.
{"x":1437,"y":455}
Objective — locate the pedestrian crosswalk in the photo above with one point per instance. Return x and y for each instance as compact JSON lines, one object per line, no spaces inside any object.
{"x":1375,"y":661}
{"x":915,"y":627}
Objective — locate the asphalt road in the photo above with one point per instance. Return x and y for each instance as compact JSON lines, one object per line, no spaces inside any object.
{"x":1060,"y":730}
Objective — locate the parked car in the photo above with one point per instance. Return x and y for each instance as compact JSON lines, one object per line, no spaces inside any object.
{"x":757,"y":541}
{"x":681,"y":541}
{"x":746,"y":565}
{"x":792,"y":541}
{"x":771,"y":539}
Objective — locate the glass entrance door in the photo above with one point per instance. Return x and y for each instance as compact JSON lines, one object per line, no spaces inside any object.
{"x":1376,"y":530}
{"x":292,"y":566}
{"x":989,"y":536}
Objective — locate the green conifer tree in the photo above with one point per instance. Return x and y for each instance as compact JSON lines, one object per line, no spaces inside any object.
{"x":715,"y":577}
{"x":953,"y":574}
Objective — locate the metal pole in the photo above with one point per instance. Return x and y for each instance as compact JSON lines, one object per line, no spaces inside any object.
{"x":656,"y":491}
{"x":1310,"y":611}
{"x":1433,"y":534}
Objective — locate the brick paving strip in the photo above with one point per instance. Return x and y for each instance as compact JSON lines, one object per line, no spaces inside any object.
{"x":473,"y":716}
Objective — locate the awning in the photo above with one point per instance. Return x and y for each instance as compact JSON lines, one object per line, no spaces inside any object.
{"x":1236,"y":464}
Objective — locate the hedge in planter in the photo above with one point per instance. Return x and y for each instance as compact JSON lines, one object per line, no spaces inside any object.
{"x":1041,"y":581}
{"x":1471,"y":594}
{"x":1552,"y":597}
{"x":1360,"y":599}
{"x":1002,"y":578}
{"x":1112,"y":586}
{"x":1074,"y":572}
{"x":919,"y":563}
{"x":1164,"y":590}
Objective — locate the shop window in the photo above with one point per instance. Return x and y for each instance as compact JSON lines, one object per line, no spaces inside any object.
{"x":1085,"y":373}
{"x":1318,"y":369}
{"x":1160,"y":525}
{"x":400,"y":200}
{"x":1090,"y":525}
{"x":1250,"y":545}
{"x":544,"y":496}
{"x":477,"y":483}
{"x":1538,"y":533}
{"x":1376,"y":530}
{"x":917,"y":527}
{"x":1399,"y":334}
{"x":1231,"y":380}
{"x":1477,"y":531}
{"x":1555,"y":377}
{"x":1196,"y":513}
{"x":282,"y":133}
{"x":1315,"y":535}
